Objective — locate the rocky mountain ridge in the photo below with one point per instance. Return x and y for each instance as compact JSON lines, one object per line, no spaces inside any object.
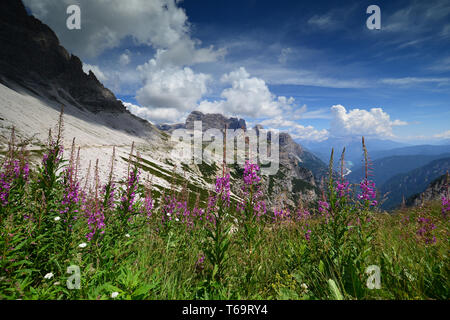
{"x":32,"y":57}
{"x":209,"y":121}
{"x":435,"y":191}
{"x":300,"y":171}
{"x":413,"y":182}
{"x":385,"y":168}
{"x":301,"y":163}
{"x":38,"y":76}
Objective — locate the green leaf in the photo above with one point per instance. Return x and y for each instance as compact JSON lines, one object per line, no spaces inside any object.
{"x":321,"y":266}
{"x":287,"y":294}
{"x":216,"y":268}
{"x":335,"y":292}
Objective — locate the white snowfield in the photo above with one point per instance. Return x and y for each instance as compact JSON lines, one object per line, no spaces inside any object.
{"x":95,"y":134}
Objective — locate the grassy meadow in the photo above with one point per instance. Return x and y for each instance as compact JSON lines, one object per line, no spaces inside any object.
{"x":122,"y":240}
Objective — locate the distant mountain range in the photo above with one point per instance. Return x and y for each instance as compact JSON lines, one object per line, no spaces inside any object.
{"x":385,"y":168}
{"x":415,"y":181}
{"x":353,"y":148}
{"x":398,"y":170}
{"x":435,"y":191}
{"x":411,"y":150}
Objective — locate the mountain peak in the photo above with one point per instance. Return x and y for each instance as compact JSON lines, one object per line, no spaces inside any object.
{"x":214,"y":121}
{"x":32,"y":57}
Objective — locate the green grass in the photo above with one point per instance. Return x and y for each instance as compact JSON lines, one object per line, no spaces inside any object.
{"x":149,"y":256}
{"x":154,"y":265}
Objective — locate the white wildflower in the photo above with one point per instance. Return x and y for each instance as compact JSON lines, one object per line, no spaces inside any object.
{"x":127,"y":235}
{"x":233,"y":229}
{"x":114,"y":294}
{"x":82,"y":245}
{"x":48,"y":275}
{"x":176,"y":219}
{"x":304,"y":286}
{"x":57,"y":218}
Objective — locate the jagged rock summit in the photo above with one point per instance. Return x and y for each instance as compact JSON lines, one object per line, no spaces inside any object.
{"x":32,"y":57}
{"x":37,"y":76}
{"x":300,"y":163}
{"x":209,"y":121}
{"x":214,"y":120}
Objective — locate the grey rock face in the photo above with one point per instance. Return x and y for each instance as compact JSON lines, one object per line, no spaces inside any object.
{"x":300,"y":171}
{"x":170,"y":127}
{"x":435,"y":191}
{"x":209,"y":121}
{"x":214,"y":121}
{"x":31,"y":56}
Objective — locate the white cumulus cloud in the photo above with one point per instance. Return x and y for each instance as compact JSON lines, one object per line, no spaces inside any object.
{"x":247,"y":96}
{"x":296,"y":130}
{"x":124,"y":59}
{"x":374,"y":122}
{"x":104,"y":24}
{"x":171,"y":87}
{"x":155,"y":115}
{"x":96,"y":70}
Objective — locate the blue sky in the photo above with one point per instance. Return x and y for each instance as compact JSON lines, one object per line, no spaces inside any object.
{"x":311,"y":68}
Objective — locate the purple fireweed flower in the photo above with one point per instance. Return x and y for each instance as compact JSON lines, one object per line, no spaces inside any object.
{"x":148,"y":206}
{"x":53,"y":156}
{"x":197,"y":213}
{"x":12,"y":172}
{"x":342,"y":188}
{"x":425,"y":230}
{"x":368,"y":192}
{"x":240,"y":207}
{"x":109,"y":198}
{"x":445,"y":207}
{"x":281,"y":215}
{"x":251,"y":174}
{"x":324,"y":210}
{"x":251,"y":191}
{"x":128,"y":198}
{"x":210,"y":215}
{"x":222,"y":192}
{"x":95,"y":219}
{"x":303,"y":215}
{"x":170,"y":208}
{"x":308,"y":234}
{"x":323,"y":207}
{"x":201,"y":259}
{"x":91,"y":207}
{"x":196,"y":216}
{"x":182,"y":210}
{"x":199,"y":265}
{"x":170,"y":205}
{"x":71,"y":196}
{"x":223,"y":188}
{"x":260,"y":208}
